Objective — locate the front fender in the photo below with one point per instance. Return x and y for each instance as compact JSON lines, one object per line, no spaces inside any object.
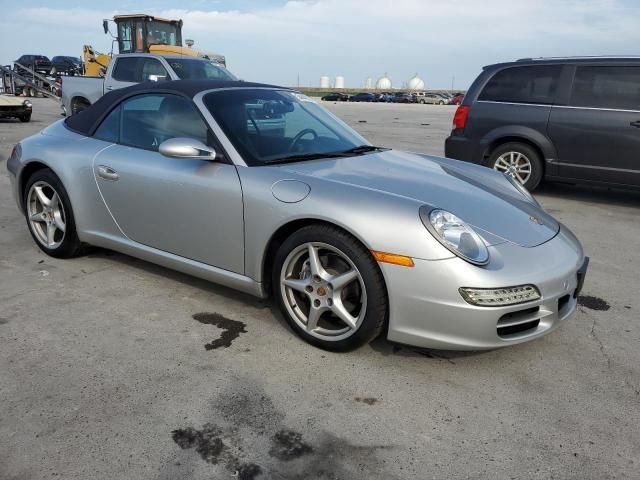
{"x":380,"y":221}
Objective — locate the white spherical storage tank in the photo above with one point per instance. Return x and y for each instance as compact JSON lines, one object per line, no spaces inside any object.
{"x":339,"y":82}
{"x":325,"y":82}
{"x":416,"y":83}
{"x":383,"y":83}
{"x":368,"y":83}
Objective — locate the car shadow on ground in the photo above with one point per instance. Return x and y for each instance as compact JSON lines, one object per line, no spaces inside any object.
{"x":176,"y":276}
{"x":386,"y":348}
{"x":381,"y":345}
{"x":590,"y":194}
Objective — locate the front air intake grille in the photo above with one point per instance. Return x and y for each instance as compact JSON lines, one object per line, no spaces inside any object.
{"x":519,"y":322}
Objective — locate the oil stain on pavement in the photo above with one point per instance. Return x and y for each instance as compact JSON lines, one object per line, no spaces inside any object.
{"x":252,"y":441}
{"x":367,"y":400}
{"x":593,"y":303}
{"x":288,"y":445}
{"x":231,"y":329}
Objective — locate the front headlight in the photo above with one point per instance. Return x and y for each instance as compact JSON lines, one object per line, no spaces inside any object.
{"x":518,"y":186}
{"x":27,"y":104}
{"x":455,"y":235}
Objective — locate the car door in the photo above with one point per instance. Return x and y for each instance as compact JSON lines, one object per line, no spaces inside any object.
{"x":597,"y":135}
{"x":187,"y":207}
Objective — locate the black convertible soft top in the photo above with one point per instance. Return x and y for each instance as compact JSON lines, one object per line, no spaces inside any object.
{"x":86,"y":121}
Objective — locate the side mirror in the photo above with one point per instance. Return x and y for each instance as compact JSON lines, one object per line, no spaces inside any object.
{"x":182,"y":147}
{"x":105,"y":26}
{"x":157,"y":78}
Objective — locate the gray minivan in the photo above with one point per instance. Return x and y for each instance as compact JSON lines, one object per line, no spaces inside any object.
{"x":567,"y":119}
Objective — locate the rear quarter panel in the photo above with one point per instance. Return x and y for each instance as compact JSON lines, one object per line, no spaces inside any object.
{"x":69,"y":156}
{"x":90,"y":88}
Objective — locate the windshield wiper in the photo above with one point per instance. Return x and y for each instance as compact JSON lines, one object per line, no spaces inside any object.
{"x":302,"y":157}
{"x":363,"y":149}
{"x":315,"y":156}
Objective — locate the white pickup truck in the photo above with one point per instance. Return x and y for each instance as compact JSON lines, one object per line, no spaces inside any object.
{"x":131,"y":68}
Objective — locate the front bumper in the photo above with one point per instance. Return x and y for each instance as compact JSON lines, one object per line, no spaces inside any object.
{"x":426,"y":309}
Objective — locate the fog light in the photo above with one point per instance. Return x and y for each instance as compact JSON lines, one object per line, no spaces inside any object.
{"x":499,"y":297}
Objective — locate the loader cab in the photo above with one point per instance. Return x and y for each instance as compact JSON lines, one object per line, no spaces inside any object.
{"x":137,"y":33}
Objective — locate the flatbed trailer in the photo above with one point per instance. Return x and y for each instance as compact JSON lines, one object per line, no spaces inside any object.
{"x":30,"y":83}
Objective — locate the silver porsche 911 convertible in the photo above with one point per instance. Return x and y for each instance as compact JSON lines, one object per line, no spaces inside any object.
{"x":260,"y":189}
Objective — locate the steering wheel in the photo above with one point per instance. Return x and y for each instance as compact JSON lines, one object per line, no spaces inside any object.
{"x":299,"y":135}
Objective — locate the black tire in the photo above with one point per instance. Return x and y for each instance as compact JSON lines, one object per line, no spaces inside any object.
{"x":70,"y":245}
{"x":375,"y":315}
{"x":537,"y":167}
{"x":25,"y":118}
{"x":79,"y":105}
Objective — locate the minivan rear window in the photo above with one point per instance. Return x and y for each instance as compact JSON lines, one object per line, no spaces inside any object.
{"x":530,"y":84}
{"x":607,"y":87}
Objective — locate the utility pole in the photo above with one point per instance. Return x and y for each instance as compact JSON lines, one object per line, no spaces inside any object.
{"x":453,"y":79}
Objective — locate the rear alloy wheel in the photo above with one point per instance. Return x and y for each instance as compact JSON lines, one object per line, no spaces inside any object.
{"x":520,"y":161}
{"x":49,"y":215}
{"x":329,"y":288}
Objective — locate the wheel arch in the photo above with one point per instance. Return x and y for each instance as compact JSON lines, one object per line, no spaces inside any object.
{"x":532,"y":138}
{"x":78,"y":99}
{"x":283,"y":232}
{"x":25,"y":174}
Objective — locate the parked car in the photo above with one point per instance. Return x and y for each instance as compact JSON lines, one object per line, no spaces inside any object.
{"x":403,"y":97}
{"x":432,"y":99}
{"x":66,"y":65}
{"x":457,"y":99}
{"x":386,"y":97}
{"x":37,"y":63}
{"x":363,"y":97}
{"x":569,"y":119}
{"x":336,"y":97}
{"x":128,"y":69}
{"x":15,"y":107}
{"x":348,"y":237}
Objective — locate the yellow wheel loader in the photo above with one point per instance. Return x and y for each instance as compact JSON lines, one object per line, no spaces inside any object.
{"x":141,"y":33}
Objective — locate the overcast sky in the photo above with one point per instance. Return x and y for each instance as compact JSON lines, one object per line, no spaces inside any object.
{"x":275,"y":41}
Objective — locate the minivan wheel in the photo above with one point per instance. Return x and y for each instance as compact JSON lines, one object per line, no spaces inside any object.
{"x":329,"y":288}
{"x":520,"y":161}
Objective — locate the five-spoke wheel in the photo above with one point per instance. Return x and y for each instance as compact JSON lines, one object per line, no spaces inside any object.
{"x":46,"y":214}
{"x":329,"y":288}
{"x":49,"y":215}
{"x":323,"y":291}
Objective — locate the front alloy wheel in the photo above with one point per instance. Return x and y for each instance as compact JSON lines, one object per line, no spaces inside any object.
{"x":323,"y":291}
{"x":329,"y":288}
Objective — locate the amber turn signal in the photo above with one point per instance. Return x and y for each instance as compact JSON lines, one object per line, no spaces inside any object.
{"x":393,"y":258}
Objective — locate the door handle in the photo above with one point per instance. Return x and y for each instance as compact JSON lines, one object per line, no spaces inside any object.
{"x":635,"y":124}
{"x":108,"y":87}
{"x":107,"y":173}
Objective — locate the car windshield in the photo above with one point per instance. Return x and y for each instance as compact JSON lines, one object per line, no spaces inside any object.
{"x":199,"y":69}
{"x":270,"y":126}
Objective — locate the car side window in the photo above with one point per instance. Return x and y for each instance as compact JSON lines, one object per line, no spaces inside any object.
{"x":152,"y":66}
{"x":530,"y":84}
{"x":109,"y":129}
{"x":125,"y":69}
{"x":149,"y":120}
{"x":606,"y":87}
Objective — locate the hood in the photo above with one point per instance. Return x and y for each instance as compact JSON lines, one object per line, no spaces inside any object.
{"x":478,"y":195}
{"x":11,"y":100}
